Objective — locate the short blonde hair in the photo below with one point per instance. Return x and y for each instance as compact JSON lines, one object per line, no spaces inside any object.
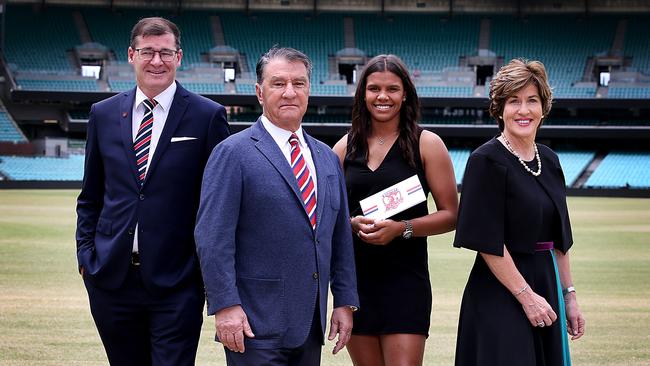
{"x":513,"y":77}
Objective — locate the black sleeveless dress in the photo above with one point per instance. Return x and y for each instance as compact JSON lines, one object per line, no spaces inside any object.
{"x":392,"y":280}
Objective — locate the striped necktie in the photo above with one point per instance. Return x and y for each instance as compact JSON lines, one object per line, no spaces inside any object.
{"x":305,"y":182}
{"x":143,"y":139}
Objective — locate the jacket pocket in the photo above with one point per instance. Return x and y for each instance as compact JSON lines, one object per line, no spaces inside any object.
{"x":263,"y":301}
{"x":334,"y":191}
{"x":105,"y":226}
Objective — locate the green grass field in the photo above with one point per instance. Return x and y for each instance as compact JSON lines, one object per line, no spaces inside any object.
{"x":45,"y":319}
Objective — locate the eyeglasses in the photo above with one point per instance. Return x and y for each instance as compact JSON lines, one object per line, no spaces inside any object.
{"x":147,"y":54}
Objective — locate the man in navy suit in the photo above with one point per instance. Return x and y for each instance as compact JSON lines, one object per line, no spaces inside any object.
{"x":145,"y":155}
{"x":273,"y":231}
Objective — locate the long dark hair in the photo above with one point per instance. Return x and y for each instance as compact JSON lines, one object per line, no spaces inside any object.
{"x":409,"y":114}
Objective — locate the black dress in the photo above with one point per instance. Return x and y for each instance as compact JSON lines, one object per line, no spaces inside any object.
{"x":502,"y":203}
{"x":392,"y":280}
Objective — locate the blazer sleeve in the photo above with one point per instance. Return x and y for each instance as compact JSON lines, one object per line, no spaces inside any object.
{"x":217,"y":220}
{"x":481,"y":214}
{"x":342,"y":269}
{"x":91,"y":198}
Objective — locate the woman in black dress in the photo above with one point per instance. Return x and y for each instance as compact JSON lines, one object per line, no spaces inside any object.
{"x":519,"y":302}
{"x":385,"y":146}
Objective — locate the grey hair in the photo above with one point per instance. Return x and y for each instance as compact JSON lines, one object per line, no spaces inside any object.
{"x":287,"y":53}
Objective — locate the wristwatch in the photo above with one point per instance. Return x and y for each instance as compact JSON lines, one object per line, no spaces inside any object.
{"x":408,"y":232}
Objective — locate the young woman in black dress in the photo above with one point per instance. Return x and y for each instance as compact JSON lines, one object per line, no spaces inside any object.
{"x":385,"y":146}
{"x":519,"y":302}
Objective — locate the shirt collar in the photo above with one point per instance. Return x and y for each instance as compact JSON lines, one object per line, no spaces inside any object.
{"x":164,"y":99}
{"x":280,"y":135}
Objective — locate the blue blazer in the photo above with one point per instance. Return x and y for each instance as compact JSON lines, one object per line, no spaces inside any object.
{"x":257,"y":247}
{"x":111,"y":201}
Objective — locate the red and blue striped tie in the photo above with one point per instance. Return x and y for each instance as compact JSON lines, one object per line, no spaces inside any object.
{"x":143,"y":139}
{"x":305,"y":182}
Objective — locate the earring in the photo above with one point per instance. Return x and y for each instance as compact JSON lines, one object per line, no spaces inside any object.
{"x":542,"y":116}
{"x":500,"y":117}
{"x":404,"y":99}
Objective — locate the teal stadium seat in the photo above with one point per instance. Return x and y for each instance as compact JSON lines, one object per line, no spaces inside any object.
{"x":629,"y":92}
{"x":121,"y":85}
{"x":445,"y":91}
{"x":245,"y":88}
{"x":573,"y":163}
{"x":43,"y":168}
{"x":8,"y":131}
{"x":622,"y":169}
{"x":459,"y":159}
{"x":317,"y":36}
{"x":636,"y":43}
{"x":89,"y":85}
{"x":562,"y":42}
{"x":39,"y":40}
{"x":425,"y":42}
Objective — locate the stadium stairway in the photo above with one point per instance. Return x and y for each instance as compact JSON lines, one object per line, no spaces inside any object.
{"x":589,"y":170}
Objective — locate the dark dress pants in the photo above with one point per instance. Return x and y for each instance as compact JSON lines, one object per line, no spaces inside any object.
{"x":139,"y":328}
{"x":309,"y":354}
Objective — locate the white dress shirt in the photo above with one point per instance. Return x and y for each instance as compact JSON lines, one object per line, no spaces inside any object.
{"x":281,"y":138}
{"x":160,"y":112}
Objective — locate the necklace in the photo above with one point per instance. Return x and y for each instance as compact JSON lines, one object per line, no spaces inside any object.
{"x":539,"y":161}
{"x":382,"y":140}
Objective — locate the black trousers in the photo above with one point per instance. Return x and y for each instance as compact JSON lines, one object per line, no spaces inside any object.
{"x":138,"y":328}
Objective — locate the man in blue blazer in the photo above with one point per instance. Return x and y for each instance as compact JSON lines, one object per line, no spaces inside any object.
{"x":273,"y":232}
{"x":145,"y":155}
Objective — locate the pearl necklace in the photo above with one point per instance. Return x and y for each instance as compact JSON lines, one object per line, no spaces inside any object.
{"x":539,"y":161}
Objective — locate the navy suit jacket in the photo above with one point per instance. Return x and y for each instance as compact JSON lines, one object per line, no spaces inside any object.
{"x":111,"y":201}
{"x":257,"y":247}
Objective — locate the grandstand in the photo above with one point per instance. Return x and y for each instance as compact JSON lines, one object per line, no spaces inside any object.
{"x":597,"y":56}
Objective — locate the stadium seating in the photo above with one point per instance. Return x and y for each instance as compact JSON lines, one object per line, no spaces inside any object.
{"x":8,"y":130}
{"x":318,"y":36}
{"x":573,"y":163}
{"x":245,"y":88}
{"x":459,"y":159}
{"x":629,"y":92}
{"x":424,"y":42}
{"x":86,"y":85}
{"x":43,"y":168}
{"x":329,"y":89}
{"x":636,"y":43}
{"x":622,"y":169}
{"x":562,"y":42}
{"x":121,"y":85}
{"x":445,"y":91}
{"x":39,"y":40}
{"x":205,"y":88}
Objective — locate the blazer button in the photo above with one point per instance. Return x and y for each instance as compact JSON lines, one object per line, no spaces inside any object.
{"x":315,"y":275}
{"x":130,"y":231}
{"x":141,"y":197}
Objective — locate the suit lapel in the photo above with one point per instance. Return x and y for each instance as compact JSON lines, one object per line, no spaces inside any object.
{"x":176,"y":112}
{"x":321,"y":176}
{"x":126,"y":119}
{"x":267,"y":146}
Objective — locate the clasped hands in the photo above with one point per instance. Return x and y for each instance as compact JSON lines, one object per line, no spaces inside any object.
{"x":378,"y":232}
{"x":538,"y":311}
{"x":232,"y":325}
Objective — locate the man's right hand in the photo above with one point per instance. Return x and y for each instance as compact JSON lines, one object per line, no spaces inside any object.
{"x":232,"y":325}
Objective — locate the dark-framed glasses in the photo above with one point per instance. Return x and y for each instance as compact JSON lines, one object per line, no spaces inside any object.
{"x":166,"y":55}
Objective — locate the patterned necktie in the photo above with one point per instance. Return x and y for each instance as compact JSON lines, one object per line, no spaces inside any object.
{"x":305,"y":182}
{"x":143,"y":139}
